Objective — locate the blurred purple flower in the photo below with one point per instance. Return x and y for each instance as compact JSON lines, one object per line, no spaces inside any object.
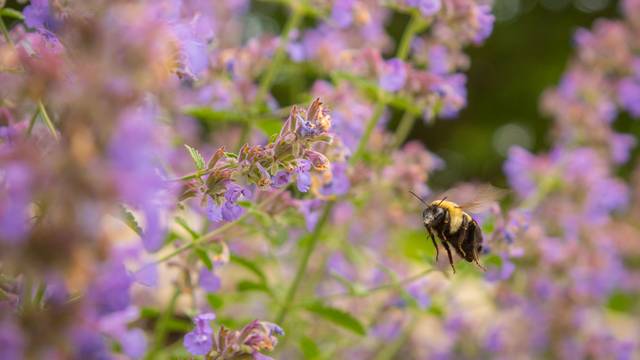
{"x":89,"y":344}
{"x":426,"y":7}
{"x":11,"y":341}
{"x":339,"y":184}
{"x":621,"y":146}
{"x":281,"y":178}
{"x":110,"y":289}
{"x":438,"y":59}
{"x":303,"y":177}
{"x":208,"y":280}
{"x":518,"y":169}
{"x":393,"y":75}
{"x":231,"y":211}
{"x":199,"y":341}
{"x":214,"y":211}
{"x":39,"y":15}
{"x":342,"y":13}
{"x":418,"y":291}
{"x":629,"y":95}
{"x":147,"y":275}
{"x":15,"y":183}
{"x":485,"y":21}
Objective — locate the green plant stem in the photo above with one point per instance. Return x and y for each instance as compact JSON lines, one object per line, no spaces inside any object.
{"x":40,"y":292}
{"x":32,"y":121}
{"x":47,"y":120}
{"x":161,"y":327}
{"x":387,"y":286}
{"x":364,"y":140}
{"x":403,"y":129}
{"x":308,"y":248}
{"x":212,"y":234}
{"x":403,"y":51}
{"x":265,"y":83}
{"x":41,"y":109}
{"x":5,"y":32}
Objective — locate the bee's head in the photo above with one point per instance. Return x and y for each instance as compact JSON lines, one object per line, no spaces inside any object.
{"x":433,"y":215}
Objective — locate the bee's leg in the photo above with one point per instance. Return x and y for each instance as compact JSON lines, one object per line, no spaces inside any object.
{"x":433,"y":239}
{"x":479,"y":265}
{"x":446,"y":247}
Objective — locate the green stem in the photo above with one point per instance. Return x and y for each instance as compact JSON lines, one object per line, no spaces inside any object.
{"x":387,"y":286}
{"x":364,"y":140}
{"x":212,"y":234}
{"x":309,"y":246}
{"x":39,"y":298}
{"x":5,"y":32}
{"x":47,"y":120}
{"x":32,"y":121}
{"x":265,"y":83}
{"x":403,"y":129}
{"x":279,"y":56}
{"x":410,"y":31}
{"x":403,"y":50}
{"x":41,"y":108}
{"x":161,"y":326}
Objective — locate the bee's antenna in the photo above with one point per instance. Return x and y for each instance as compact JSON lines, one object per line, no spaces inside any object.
{"x":443,"y":199}
{"x":419,"y":198}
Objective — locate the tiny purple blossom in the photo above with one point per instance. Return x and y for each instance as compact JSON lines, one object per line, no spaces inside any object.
{"x":428,"y":7}
{"x":629,"y":95}
{"x":485,"y":21}
{"x":393,"y":76}
{"x":38,"y":15}
{"x":214,"y":211}
{"x":199,"y":341}
{"x":303,"y":181}
{"x":281,"y":179}
{"x":231,"y":211}
{"x":234,"y":191}
{"x":208,"y":280}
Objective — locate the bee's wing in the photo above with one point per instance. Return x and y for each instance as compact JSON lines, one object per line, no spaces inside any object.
{"x":474,"y":198}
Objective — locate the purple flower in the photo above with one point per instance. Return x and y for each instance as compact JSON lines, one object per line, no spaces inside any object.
{"x":88,"y":344}
{"x":518,"y":169}
{"x":15,"y":183}
{"x":340,"y":183}
{"x":110,"y":289}
{"x":342,"y":13}
{"x":281,"y":179}
{"x":231,"y":211}
{"x":485,"y":21}
{"x":428,"y":7}
{"x":629,"y":95}
{"x":214,"y":211}
{"x":11,"y":342}
{"x":310,"y":209}
{"x":418,"y":291}
{"x":147,"y":275}
{"x":234,"y":191}
{"x":438,"y":59}
{"x":303,"y":176}
{"x":208,"y":280}
{"x":134,"y":343}
{"x":199,"y":341}
{"x":393,"y":75}
{"x":621,"y":146}
{"x":38,"y":15}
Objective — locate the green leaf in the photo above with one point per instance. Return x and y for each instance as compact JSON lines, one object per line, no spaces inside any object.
{"x":179,"y":325}
{"x":249,"y":265}
{"x":208,"y":114}
{"x":309,"y":348}
{"x":338,"y":317}
{"x":149,"y":313}
{"x":248,"y":285}
{"x":269,"y":126}
{"x":197,"y":158}
{"x":11,"y":13}
{"x":202,"y":254}
{"x":622,"y":302}
{"x":183,"y":224}
{"x":215,"y":301}
{"x":130,"y":220}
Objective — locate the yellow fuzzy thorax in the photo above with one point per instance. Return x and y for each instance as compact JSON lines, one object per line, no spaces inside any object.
{"x":455,"y":213}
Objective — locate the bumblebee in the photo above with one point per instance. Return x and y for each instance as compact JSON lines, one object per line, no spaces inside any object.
{"x":454,"y":227}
